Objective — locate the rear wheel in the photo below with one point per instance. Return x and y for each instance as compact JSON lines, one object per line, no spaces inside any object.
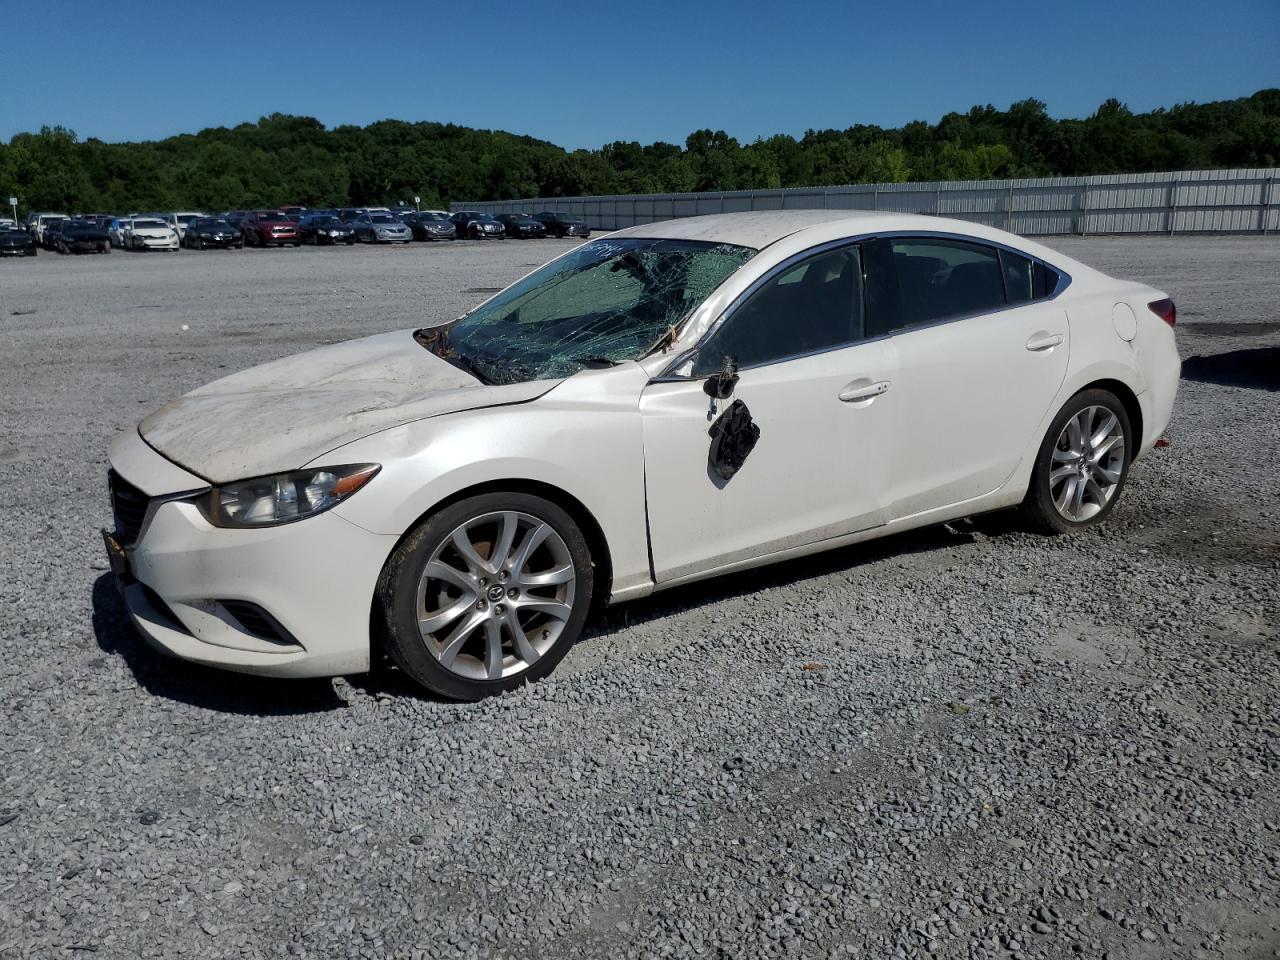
{"x":487,"y":595}
{"x":1082,"y":464}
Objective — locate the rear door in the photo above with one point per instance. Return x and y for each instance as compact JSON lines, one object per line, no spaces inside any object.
{"x":980,"y":360}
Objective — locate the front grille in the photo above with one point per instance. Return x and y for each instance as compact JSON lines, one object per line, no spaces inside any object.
{"x":129,"y":504}
{"x":257,"y":622}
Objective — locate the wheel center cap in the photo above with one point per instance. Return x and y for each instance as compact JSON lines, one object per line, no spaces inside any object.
{"x":496,"y":592}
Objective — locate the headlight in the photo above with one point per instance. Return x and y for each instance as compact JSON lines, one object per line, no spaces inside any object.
{"x":285,"y":497}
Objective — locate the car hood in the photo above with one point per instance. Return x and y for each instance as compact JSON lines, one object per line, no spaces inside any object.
{"x":282,"y":415}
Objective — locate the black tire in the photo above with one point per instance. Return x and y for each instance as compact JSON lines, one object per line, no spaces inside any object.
{"x":1039,"y":507}
{"x":397,"y":593}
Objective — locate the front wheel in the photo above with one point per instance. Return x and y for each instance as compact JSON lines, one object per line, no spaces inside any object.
{"x":488,"y":594}
{"x":1082,"y":464}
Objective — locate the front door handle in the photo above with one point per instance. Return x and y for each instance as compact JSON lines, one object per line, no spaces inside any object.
{"x":861,"y":390}
{"x":1041,"y":341}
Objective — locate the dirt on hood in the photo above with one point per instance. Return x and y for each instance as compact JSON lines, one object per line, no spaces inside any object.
{"x":281,"y":415}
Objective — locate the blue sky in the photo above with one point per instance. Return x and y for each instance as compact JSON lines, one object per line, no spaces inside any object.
{"x":583,"y":74}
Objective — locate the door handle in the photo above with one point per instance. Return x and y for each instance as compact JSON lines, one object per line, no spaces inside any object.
{"x":1041,"y":341}
{"x":861,"y":390}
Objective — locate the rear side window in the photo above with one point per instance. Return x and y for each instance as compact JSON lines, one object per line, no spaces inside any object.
{"x":809,"y":307}
{"x":945,"y":278}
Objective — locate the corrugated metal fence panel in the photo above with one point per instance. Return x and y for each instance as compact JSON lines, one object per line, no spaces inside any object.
{"x":1199,"y":201}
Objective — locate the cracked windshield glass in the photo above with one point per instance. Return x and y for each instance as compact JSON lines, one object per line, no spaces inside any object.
{"x":606,"y":302}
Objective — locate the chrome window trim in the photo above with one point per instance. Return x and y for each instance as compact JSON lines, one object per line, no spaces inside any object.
{"x":668,"y":374}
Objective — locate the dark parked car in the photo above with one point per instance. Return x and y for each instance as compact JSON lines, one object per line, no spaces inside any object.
{"x":81,"y":236}
{"x":49,"y":235}
{"x":349,"y":214}
{"x":233,"y":217}
{"x":321,"y":228}
{"x":563,"y":225}
{"x":17,"y":242}
{"x":294,"y":213}
{"x":472,"y":225}
{"x":430,"y":225}
{"x":212,"y":232}
{"x":522,"y":226}
{"x":262,"y":228}
{"x":380,"y":228}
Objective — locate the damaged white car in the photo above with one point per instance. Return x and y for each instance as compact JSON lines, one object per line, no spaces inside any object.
{"x":667,"y":403}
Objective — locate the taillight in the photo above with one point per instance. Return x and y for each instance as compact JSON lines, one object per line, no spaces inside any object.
{"x":1165,"y":310}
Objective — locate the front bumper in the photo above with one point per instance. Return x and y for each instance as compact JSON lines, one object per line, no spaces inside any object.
{"x":157,"y":243}
{"x":314,"y":580}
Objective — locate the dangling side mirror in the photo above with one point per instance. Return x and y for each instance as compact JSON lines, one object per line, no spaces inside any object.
{"x":721,"y":385}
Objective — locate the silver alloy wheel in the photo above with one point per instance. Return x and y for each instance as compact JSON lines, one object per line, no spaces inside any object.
{"x":495,"y":595}
{"x":1088,"y":462}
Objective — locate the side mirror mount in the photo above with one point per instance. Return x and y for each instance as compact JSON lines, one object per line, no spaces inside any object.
{"x":720,"y":387}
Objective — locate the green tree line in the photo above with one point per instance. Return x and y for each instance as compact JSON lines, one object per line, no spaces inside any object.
{"x":286,"y":159}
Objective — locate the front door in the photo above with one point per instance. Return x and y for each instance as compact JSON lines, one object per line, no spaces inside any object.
{"x":822,"y":399}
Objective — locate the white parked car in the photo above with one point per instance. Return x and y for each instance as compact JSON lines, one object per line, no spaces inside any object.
{"x":181,"y":220}
{"x":660,"y":405}
{"x":151,"y":234}
{"x":42,"y":220}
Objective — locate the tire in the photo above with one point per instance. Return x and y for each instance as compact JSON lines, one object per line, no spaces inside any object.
{"x":1076,"y":483}
{"x":297,"y":243}
{"x":459,"y":658}
{"x":105,"y":248}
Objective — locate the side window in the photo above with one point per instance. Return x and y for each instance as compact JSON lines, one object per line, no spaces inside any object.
{"x":945,"y":278}
{"x":1017,"y":277}
{"x":812,"y":306}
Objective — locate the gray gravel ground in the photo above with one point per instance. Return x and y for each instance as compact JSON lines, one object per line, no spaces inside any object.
{"x":964,"y":742}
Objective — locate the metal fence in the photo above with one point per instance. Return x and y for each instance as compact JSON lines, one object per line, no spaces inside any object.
{"x":1188,"y":201}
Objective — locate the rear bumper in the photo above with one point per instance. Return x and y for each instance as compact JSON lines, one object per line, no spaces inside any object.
{"x":314,"y":580}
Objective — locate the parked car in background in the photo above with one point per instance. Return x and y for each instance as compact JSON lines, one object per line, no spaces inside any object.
{"x":180,"y":220}
{"x":233,"y":217}
{"x":17,"y":241}
{"x":118,"y":230}
{"x":263,"y":228}
{"x":82,"y":236}
{"x":349,"y":214}
{"x":430,"y":225}
{"x":38,"y":222}
{"x":472,"y":225}
{"x":49,"y":235}
{"x":151,"y":233}
{"x":562,"y":224}
{"x":377,"y":227}
{"x":294,"y":212}
{"x":522,"y":226}
{"x":325,"y":228}
{"x":208,"y":232}
{"x":426,"y":475}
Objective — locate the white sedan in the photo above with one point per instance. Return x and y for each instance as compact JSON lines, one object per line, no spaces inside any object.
{"x":667,"y":403}
{"x":145,"y":233}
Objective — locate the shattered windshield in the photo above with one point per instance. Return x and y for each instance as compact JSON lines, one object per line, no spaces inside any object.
{"x":606,"y":302}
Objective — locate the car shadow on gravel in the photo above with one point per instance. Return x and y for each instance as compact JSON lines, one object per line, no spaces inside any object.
{"x":939,"y":539}
{"x":196,"y":685}
{"x":1257,"y":368}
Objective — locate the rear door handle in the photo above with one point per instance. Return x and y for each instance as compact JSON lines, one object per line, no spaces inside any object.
{"x":861,"y":390}
{"x":1043,"y":341}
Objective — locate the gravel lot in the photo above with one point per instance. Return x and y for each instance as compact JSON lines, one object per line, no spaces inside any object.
{"x":965,"y":742}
